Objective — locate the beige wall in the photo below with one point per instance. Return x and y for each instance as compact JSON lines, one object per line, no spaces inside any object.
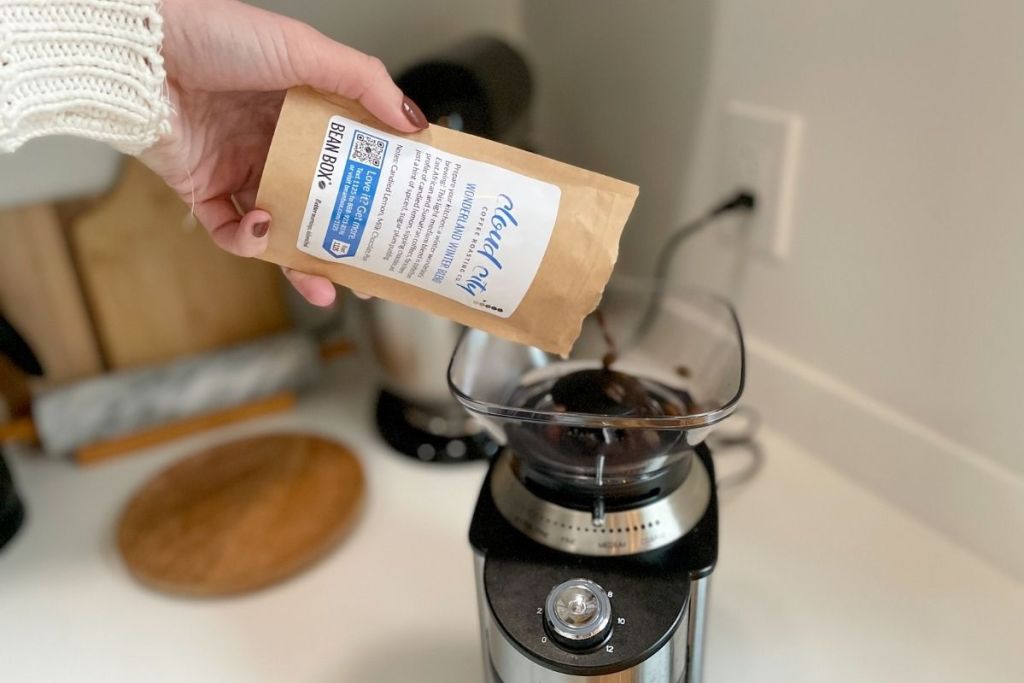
{"x":400,"y":31}
{"x":621,"y":86}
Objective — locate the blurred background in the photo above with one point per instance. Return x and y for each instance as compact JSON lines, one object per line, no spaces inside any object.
{"x":879,"y":282}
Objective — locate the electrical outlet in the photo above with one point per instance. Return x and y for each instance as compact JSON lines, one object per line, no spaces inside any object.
{"x":760,"y":150}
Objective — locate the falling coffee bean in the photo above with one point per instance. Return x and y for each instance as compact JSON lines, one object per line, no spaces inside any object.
{"x":612,"y":354}
{"x":603,"y":391}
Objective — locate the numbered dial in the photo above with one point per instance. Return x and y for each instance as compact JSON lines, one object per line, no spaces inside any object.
{"x":578,"y":614}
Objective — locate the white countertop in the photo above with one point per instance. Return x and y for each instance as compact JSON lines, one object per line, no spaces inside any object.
{"x":818,"y":580}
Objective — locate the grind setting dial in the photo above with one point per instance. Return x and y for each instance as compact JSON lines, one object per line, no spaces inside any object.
{"x":578,"y":614}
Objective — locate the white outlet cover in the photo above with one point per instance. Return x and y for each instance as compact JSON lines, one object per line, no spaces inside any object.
{"x":760,"y":151}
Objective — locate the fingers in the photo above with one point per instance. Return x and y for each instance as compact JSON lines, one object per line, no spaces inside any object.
{"x":248,"y":236}
{"x":317,"y":290}
{"x":327,"y":65}
{"x":245,"y":236}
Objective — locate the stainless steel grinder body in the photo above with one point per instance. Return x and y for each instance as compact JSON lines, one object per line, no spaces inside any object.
{"x":630,"y":611}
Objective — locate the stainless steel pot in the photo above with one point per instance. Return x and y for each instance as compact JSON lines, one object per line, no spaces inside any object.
{"x":413,"y":349}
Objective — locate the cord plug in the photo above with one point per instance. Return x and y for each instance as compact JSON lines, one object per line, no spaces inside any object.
{"x":743,"y":200}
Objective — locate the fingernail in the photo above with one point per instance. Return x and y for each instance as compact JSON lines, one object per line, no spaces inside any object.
{"x":413,"y":113}
{"x":260,"y":229}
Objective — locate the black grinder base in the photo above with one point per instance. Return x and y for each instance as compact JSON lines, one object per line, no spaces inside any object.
{"x":438,"y":446}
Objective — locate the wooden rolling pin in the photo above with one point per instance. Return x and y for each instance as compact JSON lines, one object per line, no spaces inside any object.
{"x":99,"y":418}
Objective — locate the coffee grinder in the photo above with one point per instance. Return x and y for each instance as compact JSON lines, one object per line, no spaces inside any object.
{"x":596,"y":529}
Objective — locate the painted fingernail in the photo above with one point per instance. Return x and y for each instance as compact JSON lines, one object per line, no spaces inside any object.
{"x":414,"y":113}
{"x":260,"y":229}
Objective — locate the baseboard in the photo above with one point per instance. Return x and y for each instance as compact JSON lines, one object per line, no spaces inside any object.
{"x":969,"y":497}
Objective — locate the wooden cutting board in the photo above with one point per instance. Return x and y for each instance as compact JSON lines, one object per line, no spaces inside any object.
{"x":156,"y":285}
{"x":40,"y":294}
{"x":242,"y":515}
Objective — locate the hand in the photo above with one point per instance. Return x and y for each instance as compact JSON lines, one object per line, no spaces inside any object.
{"x":228,"y":65}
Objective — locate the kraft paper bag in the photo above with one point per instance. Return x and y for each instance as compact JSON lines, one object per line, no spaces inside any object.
{"x":484,"y":234}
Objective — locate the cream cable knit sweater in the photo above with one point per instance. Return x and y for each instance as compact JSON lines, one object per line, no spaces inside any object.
{"x":90,"y":68}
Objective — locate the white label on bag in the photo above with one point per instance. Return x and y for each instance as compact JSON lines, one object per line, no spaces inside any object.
{"x":468,"y":230}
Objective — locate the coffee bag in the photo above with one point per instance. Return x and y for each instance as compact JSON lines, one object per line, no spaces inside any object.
{"x":484,"y":234}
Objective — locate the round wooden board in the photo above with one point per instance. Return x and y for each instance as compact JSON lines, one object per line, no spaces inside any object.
{"x":241,"y":515}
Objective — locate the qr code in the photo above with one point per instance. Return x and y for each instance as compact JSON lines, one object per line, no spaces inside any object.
{"x":367,"y":149}
{"x":339,"y":248}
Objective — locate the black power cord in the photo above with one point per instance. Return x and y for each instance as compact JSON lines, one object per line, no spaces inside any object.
{"x":742,"y":200}
{"x":744,"y":439}
{"x":725,"y":443}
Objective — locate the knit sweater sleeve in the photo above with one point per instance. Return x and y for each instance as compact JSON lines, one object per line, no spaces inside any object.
{"x":89,"y":68}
